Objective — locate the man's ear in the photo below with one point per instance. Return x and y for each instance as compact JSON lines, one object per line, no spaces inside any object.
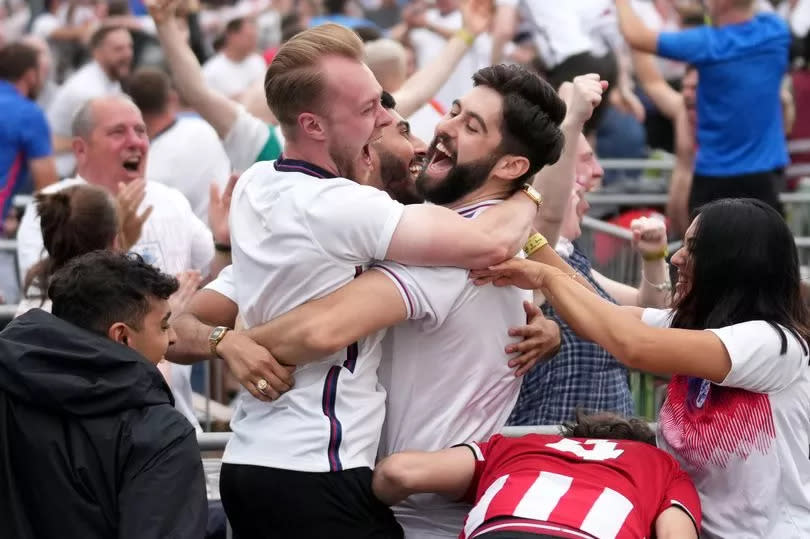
{"x":119,"y":332}
{"x":79,"y":147}
{"x":510,"y":167}
{"x":311,"y":126}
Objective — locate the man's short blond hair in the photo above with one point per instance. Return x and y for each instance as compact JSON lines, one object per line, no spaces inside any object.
{"x":295,"y":82}
{"x":387,"y":59}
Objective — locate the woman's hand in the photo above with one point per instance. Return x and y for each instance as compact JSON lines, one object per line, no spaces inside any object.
{"x":518,"y":272}
{"x":649,"y":236}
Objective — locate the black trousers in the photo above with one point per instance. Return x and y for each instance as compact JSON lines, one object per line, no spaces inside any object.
{"x":764,"y":186}
{"x":273,"y":503}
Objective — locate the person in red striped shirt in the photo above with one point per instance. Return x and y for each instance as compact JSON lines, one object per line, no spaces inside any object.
{"x":602,"y":477}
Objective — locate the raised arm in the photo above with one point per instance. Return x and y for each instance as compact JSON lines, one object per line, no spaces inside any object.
{"x":681,"y":182}
{"x":448,"y":472}
{"x":556,"y":181}
{"x":429,"y":235}
{"x":214,"y":107}
{"x":665,"y":98}
{"x":425,"y":83}
{"x":323,"y":326}
{"x":504,"y":29}
{"x":650,"y":241}
{"x":635,"y":32}
{"x":623,"y":335}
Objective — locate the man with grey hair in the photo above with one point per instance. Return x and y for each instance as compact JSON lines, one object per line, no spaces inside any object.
{"x":110,"y":145}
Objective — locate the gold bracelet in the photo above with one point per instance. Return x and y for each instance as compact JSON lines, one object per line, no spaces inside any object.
{"x":466,"y":36}
{"x":533,"y":194}
{"x":535,"y":243}
{"x":651,"y":257}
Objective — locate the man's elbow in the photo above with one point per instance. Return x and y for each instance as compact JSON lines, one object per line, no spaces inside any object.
{"x":394,"y":478}
{"x":494,"y":254}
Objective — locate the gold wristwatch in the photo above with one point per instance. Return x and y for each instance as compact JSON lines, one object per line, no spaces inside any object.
{"x":216,"y":336}
{"x":533,"y":194}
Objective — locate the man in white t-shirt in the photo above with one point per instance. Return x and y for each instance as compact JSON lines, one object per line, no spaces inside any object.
{"x":111,"y":147}
{"x":237,"y":65}
{"x":302,"y":464}
{"x":495,"y":137}
{"x":184,"y":153}
{"x":111,"y":47}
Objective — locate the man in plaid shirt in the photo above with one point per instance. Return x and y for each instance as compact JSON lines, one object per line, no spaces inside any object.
{"x":583,"y":374}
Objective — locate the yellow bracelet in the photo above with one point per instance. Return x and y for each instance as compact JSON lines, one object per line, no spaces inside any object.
{"x":663,"y":253}
{"x":466,"y":36}
{"x":535,"y":243}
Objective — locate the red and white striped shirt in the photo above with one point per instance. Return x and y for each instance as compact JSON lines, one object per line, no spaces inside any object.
{"x":602,"y":488}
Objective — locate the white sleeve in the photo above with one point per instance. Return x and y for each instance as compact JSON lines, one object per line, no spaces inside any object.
{"x":657,"y":318}
{"x":245,"y":140}
{"x":202,"y":243}
{"x":224,"y":283}
{"x":30,"y":247}
{"x":353,"y":223}
{"x":428,"y":293}
{"x":757,"y":361}
{"x":513,"y":3}
{"x":65,"y":104}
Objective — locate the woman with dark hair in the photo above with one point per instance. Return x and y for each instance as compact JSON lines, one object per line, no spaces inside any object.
{"x":737,"y":412}
{"x":74,"y":221}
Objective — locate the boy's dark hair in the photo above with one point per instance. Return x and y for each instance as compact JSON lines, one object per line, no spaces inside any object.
{"x":532,"y":114}
{"x":98,"y":289}
{"x":608,"y":426}
{"x":388,"y":101}
{"x":15,"y":61}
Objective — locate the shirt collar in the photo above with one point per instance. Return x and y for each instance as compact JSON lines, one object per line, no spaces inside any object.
{"x":283,"y":164}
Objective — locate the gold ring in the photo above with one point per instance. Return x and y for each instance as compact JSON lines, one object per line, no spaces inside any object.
{"x":261,"y":385}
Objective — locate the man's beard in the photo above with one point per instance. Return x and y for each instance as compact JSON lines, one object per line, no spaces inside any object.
{"x":395,"y":177}
{"x":348,"y":168}
{"x":460,"y":181}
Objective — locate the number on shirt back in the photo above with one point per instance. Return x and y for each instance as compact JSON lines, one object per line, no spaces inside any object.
{"x":599,"y":450}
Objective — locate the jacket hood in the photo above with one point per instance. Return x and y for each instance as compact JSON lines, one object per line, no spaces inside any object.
{"x":54,"y":365}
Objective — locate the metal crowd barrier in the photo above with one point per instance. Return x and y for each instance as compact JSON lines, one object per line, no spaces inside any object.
{"x":216,"y":441}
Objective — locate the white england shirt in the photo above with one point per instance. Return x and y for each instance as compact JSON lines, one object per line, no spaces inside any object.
{"x":446,"y":373}
{"x":745,"y":441}
{"x":297,"y":234}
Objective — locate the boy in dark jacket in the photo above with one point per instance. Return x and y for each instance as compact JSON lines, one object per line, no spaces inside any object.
{"x":90,"y":443}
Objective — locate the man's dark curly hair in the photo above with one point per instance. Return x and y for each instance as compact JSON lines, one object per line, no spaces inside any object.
{"x":100,"y":288}
{"x":608,"y":426}
{"x":532,"y":114}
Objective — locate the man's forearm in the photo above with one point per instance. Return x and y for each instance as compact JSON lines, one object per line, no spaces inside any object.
{"x":192,"y":340}
{"x":215,"y":108}
{"x":323,"y":326}
{"x":633,"y":28}
{"x":61,"y":143}
{"x":503,"y":30}
{"x":652,"y":291}
{"x":555,"y":182}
